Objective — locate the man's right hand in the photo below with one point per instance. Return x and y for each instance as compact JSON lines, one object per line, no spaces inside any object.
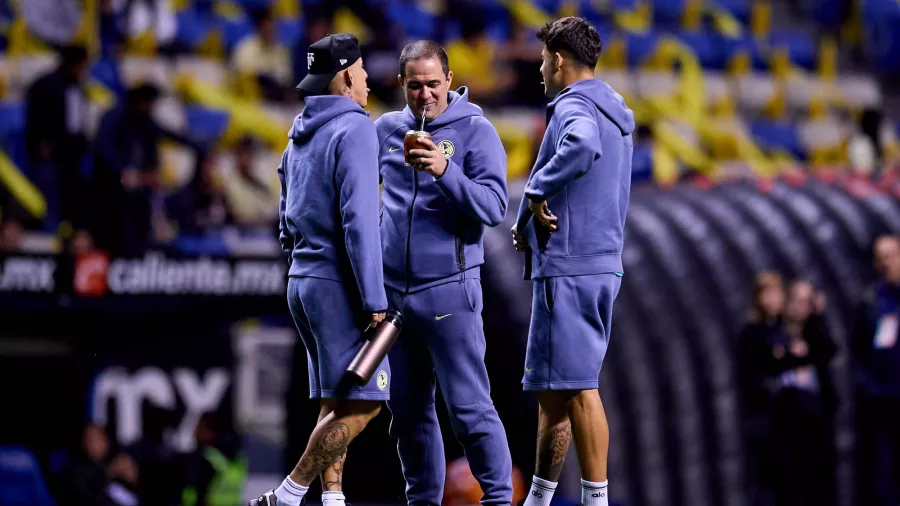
{"x":518,"y":242}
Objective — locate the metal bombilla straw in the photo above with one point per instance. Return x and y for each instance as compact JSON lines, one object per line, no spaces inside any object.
{"x":424,"y":112}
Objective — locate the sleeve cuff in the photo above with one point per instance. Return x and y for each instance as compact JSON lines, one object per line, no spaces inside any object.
{"x":449,"y":178}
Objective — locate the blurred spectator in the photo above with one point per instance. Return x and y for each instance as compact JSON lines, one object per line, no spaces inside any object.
{"x":866,"y":149}
{"x":55,"y":143}
{"x":877,"y":360}
{"x":201,"y":206}
{"x":216,"y":471}
{"x":251,"y":198}
{"x":262,"y":63}
{"x":10,"y":235}
{"x":85,"y":478}
{"x":474,"y":63}
{"x":156,"y":458}
{"x":122,"y":489}
{"x":803,"y":423}
{"x":784,"y":353}
{"x":126,"y":173}
{"x":753,"y":352}
{"x":523,"y":55}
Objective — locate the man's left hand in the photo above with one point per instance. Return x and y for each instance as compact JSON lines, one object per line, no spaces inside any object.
{"x":430,"y":160}
{"x":542,"y":213}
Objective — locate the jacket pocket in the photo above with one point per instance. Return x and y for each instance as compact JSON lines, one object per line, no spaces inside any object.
{"x":548,"y":293}
{"x":460,"y":248}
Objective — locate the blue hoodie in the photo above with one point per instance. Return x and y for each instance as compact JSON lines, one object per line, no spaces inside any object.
{"x":432,"y":228}
{"x":329,"y":197}
{"x":583,"y":171}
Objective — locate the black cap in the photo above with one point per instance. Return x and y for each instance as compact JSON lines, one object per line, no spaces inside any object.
{"x":326,"y":58}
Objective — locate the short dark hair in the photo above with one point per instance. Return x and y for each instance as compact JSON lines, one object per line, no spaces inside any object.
{"x":574,"y":35}
{"x":423,"y":50}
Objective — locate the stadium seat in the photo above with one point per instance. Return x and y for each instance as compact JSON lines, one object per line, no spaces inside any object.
{"x":754,"y":91}
{"x":169,"y":113}
{"x":668,"y":13}
{"x":801,"y":46}
{"x":705,"y":47}
{"x":27,"y":69}
{"x":777,"y":136}
{"x":205,"y":125}
{"x":289,"y":31}
{"x":137,"y":70}
{"x":738,"y":8}
{"x":21,"y":480}
{"x":12,"y":130}
{"x":859,"y":91}
{"x":417,"y":23}
{"x":203,"y":69}
{"x":235,"y":30}
{"x":639,"y":47}
{"x":717,"y":88}
{"x":656,"y":84}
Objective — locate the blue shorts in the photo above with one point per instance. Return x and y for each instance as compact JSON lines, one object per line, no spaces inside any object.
{"x":571,"y":317}
{"x":328,"y":323}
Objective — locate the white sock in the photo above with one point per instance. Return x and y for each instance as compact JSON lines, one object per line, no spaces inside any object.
{"x":541,"y":492}
{"x":333,"y":498}
{"x":290,"y":493}
{"x":594,"y":493}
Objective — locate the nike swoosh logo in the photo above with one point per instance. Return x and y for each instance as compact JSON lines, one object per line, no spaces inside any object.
{"x":439,"y":318}
{"x":528,"y":370}
{"x":391,"y":150}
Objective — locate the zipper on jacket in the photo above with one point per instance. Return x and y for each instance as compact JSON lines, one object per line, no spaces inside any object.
{"x":460,"y":254}
{"x":412,"y":209}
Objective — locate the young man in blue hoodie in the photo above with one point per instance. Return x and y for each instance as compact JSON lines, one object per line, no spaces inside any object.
{"x":434,"y":213}
{"x":583,"y":173}
{"x":329,"y":231}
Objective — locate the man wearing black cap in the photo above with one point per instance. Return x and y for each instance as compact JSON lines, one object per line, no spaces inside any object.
{"x":329,"y":230}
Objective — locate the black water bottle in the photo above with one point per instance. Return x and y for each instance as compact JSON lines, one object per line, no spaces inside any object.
{"x":378,"y":343}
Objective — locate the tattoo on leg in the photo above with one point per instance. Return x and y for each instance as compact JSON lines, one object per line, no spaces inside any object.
{"x":551,"y":451}
{"x":332,"y":445}
{"x":338,"y":468}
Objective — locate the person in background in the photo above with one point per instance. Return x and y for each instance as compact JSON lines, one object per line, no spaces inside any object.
{"x":249,"y":196}
{"x":85,"y":478}
{"x":264,"y":60}
{"x":876,"y":356}
{"x":55,"y":143}
{"x":126,"y":173}
{"x":803,"y":425}
{"x":756,"y":400}
{"x":865,"y":150}
{"x":216,"y":471}
{"x":476,"y":65}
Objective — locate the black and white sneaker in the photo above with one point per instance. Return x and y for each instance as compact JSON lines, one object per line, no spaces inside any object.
{"x":269,"y":499}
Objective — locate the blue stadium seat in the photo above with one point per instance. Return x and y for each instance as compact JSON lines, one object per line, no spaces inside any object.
{"x":704,"y":45}
{"x":778,"y":136}
{"x":205,"y":125}
{"x":194,"y":25}
{"x":882,"y":35}
{"x":253,"y":4}
{"x":235,"y":30}
{"x":801,"y":46}
{"x":21,"y":480}
{"x":640,"y":46}
{"x":213,"y":245}
{"x":588,"y":9}
{"x":668,"y":13}
{"x":416,"y":22}
{"x":106,"y":72}
{"x":12,"y":131}
{"x":739,"y":8}
{"x":289,"y":31}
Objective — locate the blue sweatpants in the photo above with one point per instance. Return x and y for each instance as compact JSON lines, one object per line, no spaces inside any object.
{"x":328,"y":322}
{"x":571,"y":318}
{"x":443,"y":337}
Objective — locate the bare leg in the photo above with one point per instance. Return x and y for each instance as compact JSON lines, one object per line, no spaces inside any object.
{"x":591,"y":433}
{"x":329,"y":440}
{"x":554,"y":435}
{"x":333,"y":476}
